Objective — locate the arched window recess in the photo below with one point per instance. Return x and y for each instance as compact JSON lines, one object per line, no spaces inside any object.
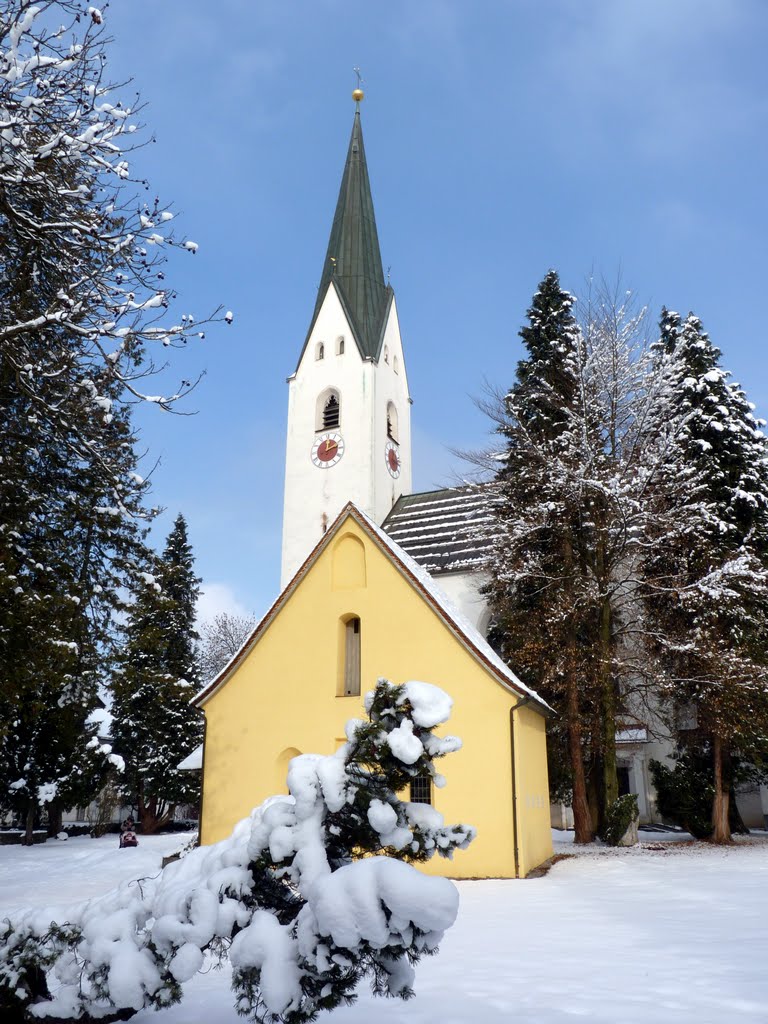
{"x":328,"y":410}
{"x":320,"y":351}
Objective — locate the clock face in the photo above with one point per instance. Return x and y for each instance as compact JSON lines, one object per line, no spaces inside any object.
{"x":392,"y":457}
{"x":327,"y":450}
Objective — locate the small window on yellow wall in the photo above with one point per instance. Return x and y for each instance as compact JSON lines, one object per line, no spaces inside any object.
{"x":352,"y":658}
{"x":421,"y":790}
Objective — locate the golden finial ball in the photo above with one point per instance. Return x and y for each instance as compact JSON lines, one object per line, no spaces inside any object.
{"x":357,"y":95}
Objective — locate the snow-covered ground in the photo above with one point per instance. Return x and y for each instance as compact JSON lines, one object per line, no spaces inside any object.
{"x":670,"y":932}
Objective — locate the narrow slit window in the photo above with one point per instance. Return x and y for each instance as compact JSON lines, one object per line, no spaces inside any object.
{"x":421,"y":790}
{"x":340,"y":346}
{"x":320,"y":351}
{"x":352,"y":658}
{"x":331,"y":413}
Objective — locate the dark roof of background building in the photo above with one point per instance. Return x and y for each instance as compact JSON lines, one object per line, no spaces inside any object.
{"x":353,"y":260}
{"x":444,"y":531}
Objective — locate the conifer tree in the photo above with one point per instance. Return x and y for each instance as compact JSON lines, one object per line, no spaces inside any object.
{"x":154,"y":726}
{"x":83,"y":303}
{"x":571,"y":509}
{"x":536,"y":589}
{"x":707,"y":572}
{"x":71,"y":535}
{"x":312,"y":894}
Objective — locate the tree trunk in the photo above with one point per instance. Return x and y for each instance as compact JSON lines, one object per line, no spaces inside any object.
{"x":153,"y":814}
{"x":582,"y":816}
{"x":55,"y":815}
{"x":721,"y":829}
{"x":610,"y":778}
{"x":29,"y":828}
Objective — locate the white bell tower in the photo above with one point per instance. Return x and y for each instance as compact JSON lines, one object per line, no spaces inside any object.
{"x":349,"y":419}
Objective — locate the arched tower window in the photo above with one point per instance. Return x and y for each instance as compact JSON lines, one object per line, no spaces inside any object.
{"x":328,"y":410}
{"x":396,"y":364}
{"x":340,"y":346}
{"x":392,"y":431}
{"x":386,"y":354}
{"x":320,"y":351}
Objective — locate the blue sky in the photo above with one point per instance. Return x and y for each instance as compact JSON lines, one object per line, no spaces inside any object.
{"x":503,"y":138}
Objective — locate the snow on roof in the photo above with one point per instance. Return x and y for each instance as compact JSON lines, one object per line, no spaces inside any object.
{"x":192,"y":762}
{"x":445,"y":531}
{"x":424,"y":582}
{"x":450,"y":611}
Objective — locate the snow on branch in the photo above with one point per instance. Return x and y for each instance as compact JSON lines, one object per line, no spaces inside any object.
{"x":287,"y":897}
{"x":88,"y":250}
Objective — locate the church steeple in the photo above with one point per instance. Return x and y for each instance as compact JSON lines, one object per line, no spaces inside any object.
{"x":349,"y":408}
{"x":353,"y":260}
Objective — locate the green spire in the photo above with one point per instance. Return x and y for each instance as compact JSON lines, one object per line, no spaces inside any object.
{"x":353,"y":259}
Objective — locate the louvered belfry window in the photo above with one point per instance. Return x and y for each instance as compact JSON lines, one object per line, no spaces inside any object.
{"x":331,"y":413}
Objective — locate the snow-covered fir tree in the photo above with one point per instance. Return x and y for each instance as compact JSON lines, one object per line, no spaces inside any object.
{"x":707,"y":569}
{"x":83,"y":304}
{"x":309,"y":897}
{"x":538,"y":624}
{"x":154,"y":727}
{"x":571,"y":482}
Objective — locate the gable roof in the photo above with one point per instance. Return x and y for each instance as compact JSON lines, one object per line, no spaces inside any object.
{"x":449,"y":530}
{"x":419,"y":578}
{"x":353,"y":259}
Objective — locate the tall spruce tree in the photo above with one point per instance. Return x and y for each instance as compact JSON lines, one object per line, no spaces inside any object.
{"x":155,"y":727}
{"x":82,"y":305}
{"x":536,"y":593}
{"x":572,"y":505}
{"x":707,"y":573}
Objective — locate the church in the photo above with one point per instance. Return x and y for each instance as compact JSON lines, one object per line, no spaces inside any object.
{"x":376,"y":581}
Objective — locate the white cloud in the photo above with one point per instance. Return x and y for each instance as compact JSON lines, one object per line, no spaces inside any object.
{"x":217,"y":598}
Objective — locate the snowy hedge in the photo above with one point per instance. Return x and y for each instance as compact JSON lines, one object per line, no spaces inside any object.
{"x":289,"y":897}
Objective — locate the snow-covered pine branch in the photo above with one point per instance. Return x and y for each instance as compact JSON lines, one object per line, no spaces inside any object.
{"x":302,"y":915}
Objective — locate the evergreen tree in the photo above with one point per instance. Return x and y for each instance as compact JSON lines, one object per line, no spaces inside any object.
{"x":576,"y":468}
{"x":707,"y":572}
{"x":536,"y":590}
{"x":154,"y":726}
{"x":82,"y":306}
{"x":311,"y":895}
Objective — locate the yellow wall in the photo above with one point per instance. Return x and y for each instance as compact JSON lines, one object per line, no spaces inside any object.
{"x":282,"y":700}
{"x":532,"y":784}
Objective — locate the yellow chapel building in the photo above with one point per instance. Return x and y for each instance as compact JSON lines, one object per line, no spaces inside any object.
{"x":355,"y":604}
